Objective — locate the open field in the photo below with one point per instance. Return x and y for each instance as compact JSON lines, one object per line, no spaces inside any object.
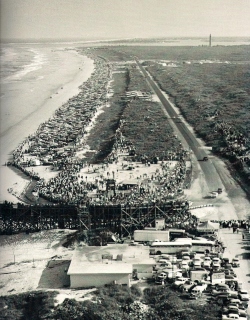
{"x":221,"y":53}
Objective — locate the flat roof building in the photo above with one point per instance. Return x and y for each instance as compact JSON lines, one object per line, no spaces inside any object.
{"x":93,"y":266}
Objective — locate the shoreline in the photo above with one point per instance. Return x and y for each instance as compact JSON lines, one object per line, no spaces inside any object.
{"x":66,"y":88}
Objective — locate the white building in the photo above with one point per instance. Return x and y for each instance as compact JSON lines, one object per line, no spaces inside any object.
{"x":95,"y":266}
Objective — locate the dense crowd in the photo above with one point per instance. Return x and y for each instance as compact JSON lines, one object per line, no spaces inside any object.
{"x":57,"y":141}
{"x":235,"y":224}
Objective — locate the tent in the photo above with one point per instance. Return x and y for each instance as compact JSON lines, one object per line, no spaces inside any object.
{"x":208,"y":226}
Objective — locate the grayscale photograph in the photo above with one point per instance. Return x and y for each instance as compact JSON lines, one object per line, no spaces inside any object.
{"x":125,"y":159}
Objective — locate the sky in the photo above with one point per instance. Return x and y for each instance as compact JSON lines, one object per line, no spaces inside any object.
{"x":114,"y":19}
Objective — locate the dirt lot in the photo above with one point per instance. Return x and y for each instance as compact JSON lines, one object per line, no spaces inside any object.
{"x":40,"y":262}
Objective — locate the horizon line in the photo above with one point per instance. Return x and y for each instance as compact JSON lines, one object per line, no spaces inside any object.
{"x":99,"y":39}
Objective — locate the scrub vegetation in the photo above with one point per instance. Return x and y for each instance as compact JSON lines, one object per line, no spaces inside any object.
{"x":210,"y":86}
{"x":109,"y":302}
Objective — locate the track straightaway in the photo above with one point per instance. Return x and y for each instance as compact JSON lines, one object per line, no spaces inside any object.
{"x":212,"y":178}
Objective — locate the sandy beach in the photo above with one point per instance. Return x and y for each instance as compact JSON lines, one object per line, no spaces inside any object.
{"x":26,"y":103}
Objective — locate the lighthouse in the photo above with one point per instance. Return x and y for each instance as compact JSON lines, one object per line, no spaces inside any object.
{"x":210,"y":41}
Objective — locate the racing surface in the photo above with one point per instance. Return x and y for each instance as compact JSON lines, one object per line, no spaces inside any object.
{"x":212,"y":174}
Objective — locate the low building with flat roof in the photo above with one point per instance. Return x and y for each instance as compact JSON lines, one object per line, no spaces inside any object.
{"x":93,"y":266}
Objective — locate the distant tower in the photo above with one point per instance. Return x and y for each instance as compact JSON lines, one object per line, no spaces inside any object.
{"x":210,"y":41}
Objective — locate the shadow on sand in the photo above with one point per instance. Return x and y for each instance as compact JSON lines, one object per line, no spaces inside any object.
{"x":55,"y":276}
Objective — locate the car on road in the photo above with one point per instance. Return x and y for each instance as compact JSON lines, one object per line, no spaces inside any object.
{"x":213,"y":194}
{"x":205,"y":159}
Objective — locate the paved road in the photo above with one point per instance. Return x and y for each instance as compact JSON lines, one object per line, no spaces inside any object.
{"x":214,"y":172}
{"x":212,"y":178}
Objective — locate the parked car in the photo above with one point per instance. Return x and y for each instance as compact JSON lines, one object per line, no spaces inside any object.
{"x":180,"y":281}
{"x":206,"y":262}
{"x":174,"y":274}
{"x":187,"y":286}
{"x":220,"y":292}
{"x":230,"y":277}
{"x":231,"y":309}
{"x":235,"y":301}
{"x":228,"y":266}
{"x":216,"y":260}
{"x":243,"y":295}
{"x":230,"y":272}
{"x":184,"y":265}
{"x":233,"y":294}
{"x":224,"y":261}
{"x":162,"y":266}
{"x":230,"y":316}
{"x":194,"y":295}
{"x":185,"y":253}
{"x":186,"y":258}
{"x":199,"y":288}
{"x":161,"y":278}
{"x":235,"y":263}
{"x":196,"y":262}
{"x":242,"y":313}
{"x":163,"y":256}
{"x":220,"y":286}
{"x":216,"y":266}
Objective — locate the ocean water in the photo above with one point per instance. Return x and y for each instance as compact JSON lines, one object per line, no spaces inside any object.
{"x":36,"y":79}
{"x":16,"y":62}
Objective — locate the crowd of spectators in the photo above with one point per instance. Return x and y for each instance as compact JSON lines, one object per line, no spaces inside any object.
{"x":57,"y":141}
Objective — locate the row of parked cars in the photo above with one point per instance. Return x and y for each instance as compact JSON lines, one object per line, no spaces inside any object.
{"x":178,"y":272}
{"x":235,"y":301}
